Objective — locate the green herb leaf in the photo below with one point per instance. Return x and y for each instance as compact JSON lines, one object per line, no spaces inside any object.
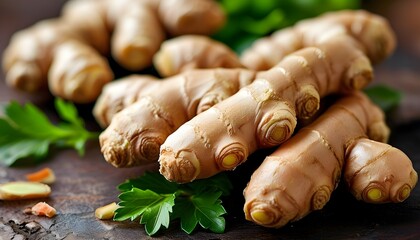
{"x":153,"y":208}
{"x":383,"y":96}
{"x":184,"y":209}
{"x":68,"y":112}
{"x":160,"y":201}
{"x":204,"y":208}
{"x":26,"y":132}
{"x":208,"y":211}
{"x":253,"y":19}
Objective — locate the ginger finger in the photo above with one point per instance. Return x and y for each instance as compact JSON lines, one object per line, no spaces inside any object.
{"x":193,"y":51}
{"x":242,"y":123}
{"x":137,"y":132}
{"x":369,"y":30}
{"x":202,"y":17}
{"x":78,"y":73}
{"x":378,"y":173}
{"x":118,"y":95}
{"x":137,"y":37}
{"x":300,"y":175}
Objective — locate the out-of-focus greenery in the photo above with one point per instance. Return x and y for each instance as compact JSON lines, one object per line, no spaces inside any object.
{"x":385,"y":97}
{"x":252,"y":19}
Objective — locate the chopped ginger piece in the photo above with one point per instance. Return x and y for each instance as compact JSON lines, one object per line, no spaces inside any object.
{"x":45,"y":175}
{"x":23,"y":190}
{"x":43,"y":209}
{"x":106,"y":212}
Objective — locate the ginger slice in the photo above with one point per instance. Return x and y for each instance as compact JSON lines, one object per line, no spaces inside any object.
{"x":23,"y":190}
{"x":45,"y":175}
{"x":106,"y":212}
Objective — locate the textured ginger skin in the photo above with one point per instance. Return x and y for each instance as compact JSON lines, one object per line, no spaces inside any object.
{"x":264,"y":113}
{"x":118,"y":95}
{"x":300,"y":176}
{"x":137,"y":132}
{"x":192,"y":52}
{"x":376,"y":166}
{"x":137,"y":26}
{"x":372,"y":31}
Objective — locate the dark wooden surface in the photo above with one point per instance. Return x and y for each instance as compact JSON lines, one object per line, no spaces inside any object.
{"x":86,"y":183}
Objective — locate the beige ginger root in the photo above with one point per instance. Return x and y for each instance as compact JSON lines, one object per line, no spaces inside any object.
{"x":264,"y":113}
{"x":372,"y":32}
{"x":118,"y":95}
{"x":379,"y":173}
{"x":192,"y":52}
{"x":126,"y":133}
{"x":137,"y":132}
{"x":137,"y":26}
{"x":300,"y":175}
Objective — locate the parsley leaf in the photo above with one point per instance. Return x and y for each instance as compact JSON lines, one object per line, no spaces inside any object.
{"x":158,"y":202}
{"x":208,"y":211}
{"x":153,"y":208}
{"x":26,"y":132}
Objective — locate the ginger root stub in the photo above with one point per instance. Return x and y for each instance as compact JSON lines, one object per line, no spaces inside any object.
{"x":300,"y":175}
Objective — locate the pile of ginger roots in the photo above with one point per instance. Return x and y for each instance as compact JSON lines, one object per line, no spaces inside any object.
{"x":212,"y":109}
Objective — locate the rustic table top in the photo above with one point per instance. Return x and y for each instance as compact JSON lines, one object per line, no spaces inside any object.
{"x":85,"y":183}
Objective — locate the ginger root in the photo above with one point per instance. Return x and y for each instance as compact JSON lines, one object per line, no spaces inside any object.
{"x":123,"y":137}
{"x":263,"y":114}
{"x":371,"y":31}
{"x":376,"y":172}
{"x":64,"y":54}
{"x":137,"y":132}
{"x":192,"y":52}
{"x":300,"y":175}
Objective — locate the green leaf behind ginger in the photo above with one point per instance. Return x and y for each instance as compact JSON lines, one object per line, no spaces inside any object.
{"x":26,"y":132}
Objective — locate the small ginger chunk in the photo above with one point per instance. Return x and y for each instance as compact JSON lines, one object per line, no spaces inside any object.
{"x":106,"y":212}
